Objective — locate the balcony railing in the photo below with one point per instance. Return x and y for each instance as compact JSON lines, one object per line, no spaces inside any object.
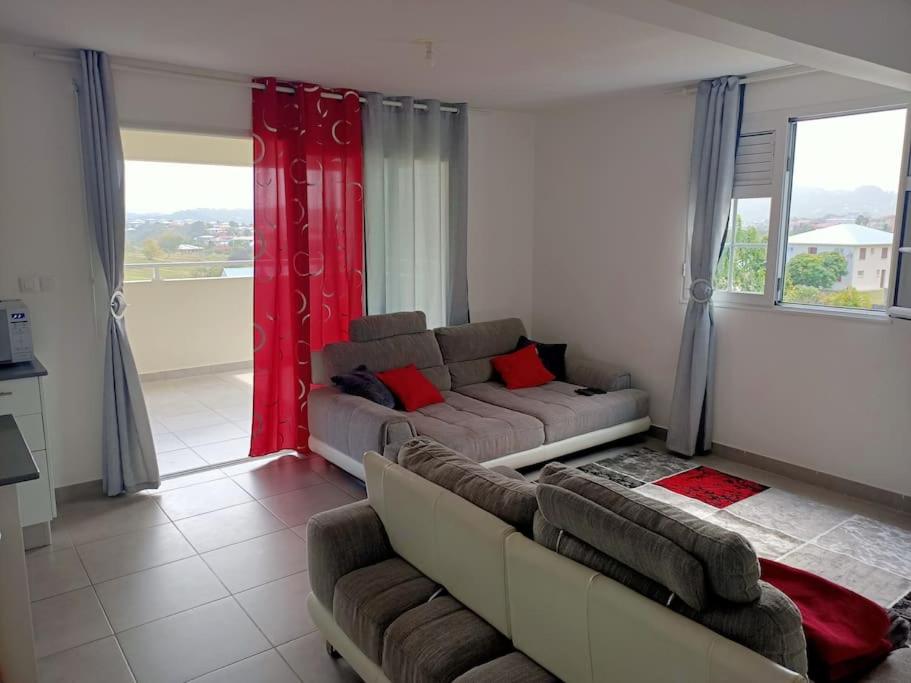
{"x":181,"y":270}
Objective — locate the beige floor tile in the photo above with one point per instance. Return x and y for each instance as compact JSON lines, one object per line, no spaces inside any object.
{"x":159,"y":592}
{"x":68,"y":620}
{"x":279,"y":476}
{"x":166,"y":441}
{"x":178,"y":461}
{"x":351,"y":485}
{"x":223,"y":431}
{"x":54,"y":572}
{"x":128,"y":553}
{"x":97,"y":662}
{"x":266,"y":667}
{"x":232,"y":525}
{"x":90,"y":520}
{"x":252,"y":563}
{"x":185,"y":480}
{"x":279,"y":608}
{"x":307,"y":656}
{"x":297,"y":507}
{"x":224,"y":451}
{"x":201,"y":498}
{"x":195,"y":420}
{"x":192,"y":643}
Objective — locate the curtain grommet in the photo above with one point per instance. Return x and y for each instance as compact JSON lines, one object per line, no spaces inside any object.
{"x":701,"y":291}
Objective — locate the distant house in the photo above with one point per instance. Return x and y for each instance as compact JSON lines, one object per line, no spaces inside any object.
{"x":868,"y":251}
{"x":237,"y":271}
{"x":188,"y":247}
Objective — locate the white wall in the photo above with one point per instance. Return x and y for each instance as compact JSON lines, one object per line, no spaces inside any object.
{"x":500,"y":214}
{"x":610,"y":198}
{"x":43,"y":230}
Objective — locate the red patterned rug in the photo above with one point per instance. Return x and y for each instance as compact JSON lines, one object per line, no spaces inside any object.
{"x":711,"y":486}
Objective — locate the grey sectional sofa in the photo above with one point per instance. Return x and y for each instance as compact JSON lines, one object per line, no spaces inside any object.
{"x":451,"y":572}
{"x":480,"y":417}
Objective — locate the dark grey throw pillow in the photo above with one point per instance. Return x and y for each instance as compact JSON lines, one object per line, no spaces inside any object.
{"x":553,"y":356}
{"x":361,"y":382}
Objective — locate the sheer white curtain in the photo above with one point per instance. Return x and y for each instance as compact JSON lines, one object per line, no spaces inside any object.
{"x":415,"y":184}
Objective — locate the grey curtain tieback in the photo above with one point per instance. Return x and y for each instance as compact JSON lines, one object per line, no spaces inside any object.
{"x":118,"y":304}
{"x":701,"y":290}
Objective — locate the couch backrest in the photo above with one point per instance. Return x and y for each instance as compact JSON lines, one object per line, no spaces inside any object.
{"x":383,"y":342}
{"x":467,"y":349}
{"x":574,"y":621}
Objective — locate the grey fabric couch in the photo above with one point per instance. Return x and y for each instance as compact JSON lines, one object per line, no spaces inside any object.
{"x":480,"y":417}
{"x":451,"y":571}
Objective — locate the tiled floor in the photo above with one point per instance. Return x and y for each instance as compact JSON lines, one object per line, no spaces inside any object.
{"x":857,"y":544}
{"x":205,"y":579}
{"x":200,"y":420}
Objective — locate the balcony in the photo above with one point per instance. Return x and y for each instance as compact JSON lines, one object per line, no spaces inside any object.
{"x":192,"y":340}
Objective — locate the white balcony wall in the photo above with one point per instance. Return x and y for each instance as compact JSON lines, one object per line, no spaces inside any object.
{"x":181,"y":324}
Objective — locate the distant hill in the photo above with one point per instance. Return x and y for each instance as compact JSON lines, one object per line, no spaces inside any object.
{"x":242,"y":216}
{"x":815,"y":202}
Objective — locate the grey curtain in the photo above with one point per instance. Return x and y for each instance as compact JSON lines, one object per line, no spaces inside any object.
{"x":416,"y":208}
{"x":718,"y":107}
{"x":128,"y":452}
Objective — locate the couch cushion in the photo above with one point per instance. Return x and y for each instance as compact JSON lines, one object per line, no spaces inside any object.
{"x":467,"y":349}
{"x":439,"y":641}
{"x":512,"y":668}
{"x":420,"y":348}
{"x":372,"y":327}
{"x":476,"y":429}
{"x":770,"y":626}
{"x":367,"y":600}
{"x":512,"y":500}
{"x":644,"y":551}
{"x":730,"y":563}
{"x":564,"y":412}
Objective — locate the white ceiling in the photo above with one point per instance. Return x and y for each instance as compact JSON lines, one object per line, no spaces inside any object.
{"x":496,"y":53}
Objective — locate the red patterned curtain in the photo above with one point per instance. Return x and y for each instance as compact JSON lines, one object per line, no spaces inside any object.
{"x":308,"y":247}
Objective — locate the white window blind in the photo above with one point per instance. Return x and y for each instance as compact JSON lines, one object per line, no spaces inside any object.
{"x":754,"y":164}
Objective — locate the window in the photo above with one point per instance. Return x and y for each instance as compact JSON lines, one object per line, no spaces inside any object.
{"x":742,"y":267}
{"x":842,"y":195}
{"x":189,"y":204}
{"x":885,"y":252}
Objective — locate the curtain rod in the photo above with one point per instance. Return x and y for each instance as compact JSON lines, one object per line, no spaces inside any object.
{"x":65,"y":56}
{"x":762,"y":76}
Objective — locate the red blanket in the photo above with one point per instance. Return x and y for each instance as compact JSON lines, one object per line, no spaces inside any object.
{"x":847,"y":634}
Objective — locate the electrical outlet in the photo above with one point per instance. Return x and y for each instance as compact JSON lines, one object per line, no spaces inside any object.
{"x":29,"y":284}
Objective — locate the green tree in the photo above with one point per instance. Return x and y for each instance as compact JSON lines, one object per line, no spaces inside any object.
{"x":169,"y":241}
{"x":862,"y":220}
{"x":151,"y":250}
{"x":802,"y":294}
{"x":849,"y":298}
{"x":816,"y":270}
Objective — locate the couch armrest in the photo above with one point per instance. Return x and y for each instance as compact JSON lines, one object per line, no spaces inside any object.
{"x":340,"y":541}
{"x":597,"y":374}
{"x":355,"y":425}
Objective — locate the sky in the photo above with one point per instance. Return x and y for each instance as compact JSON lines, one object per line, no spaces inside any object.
{"x":154,"y":186}
{"x":845,"y":152}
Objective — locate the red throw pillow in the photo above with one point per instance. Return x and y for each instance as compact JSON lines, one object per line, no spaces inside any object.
{"x":522,"y":368}
{"x":410,"y":387}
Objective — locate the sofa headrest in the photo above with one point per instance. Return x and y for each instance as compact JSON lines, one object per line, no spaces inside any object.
{"x":383,"y":354}
{"x":512,"y":500}
{"x":479,"y":340}
{"x":729,"y":561}
{"x":373,"y":327}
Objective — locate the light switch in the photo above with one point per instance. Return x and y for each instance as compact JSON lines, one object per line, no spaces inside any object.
{"x":29,"y":284}
{"x":48,"y":283}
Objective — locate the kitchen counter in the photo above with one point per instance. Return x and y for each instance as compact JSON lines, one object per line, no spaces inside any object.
{"x":32,"y":368}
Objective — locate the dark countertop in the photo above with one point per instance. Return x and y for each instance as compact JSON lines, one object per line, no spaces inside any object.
{"x":16,"y":461}
{"x":32,"y":368}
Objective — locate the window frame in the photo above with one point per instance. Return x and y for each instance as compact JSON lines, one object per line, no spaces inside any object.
{"x":828,"y":112}
{"x":780,"y":121}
